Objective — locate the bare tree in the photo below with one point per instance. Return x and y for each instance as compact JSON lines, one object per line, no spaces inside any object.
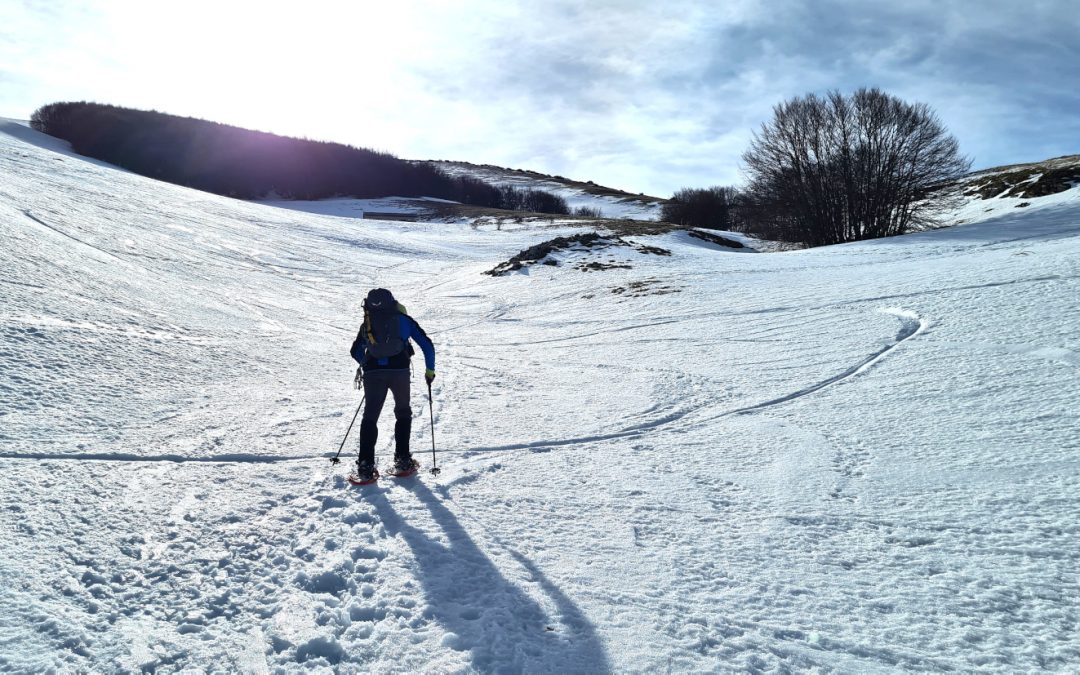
{"x":832,"y":169}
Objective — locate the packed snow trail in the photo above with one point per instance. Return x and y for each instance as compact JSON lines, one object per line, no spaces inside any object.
{"x":891,"y":497}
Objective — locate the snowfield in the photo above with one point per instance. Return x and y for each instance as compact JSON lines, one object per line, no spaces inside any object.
{"x":861,"y":458}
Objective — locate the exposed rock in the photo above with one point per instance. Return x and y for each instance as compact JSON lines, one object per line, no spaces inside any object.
{"x":586,"y":241}
{"x":1025,"y":181}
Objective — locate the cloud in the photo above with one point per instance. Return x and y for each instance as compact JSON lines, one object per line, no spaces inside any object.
{"x":681,"y":90}
{"x":639,"y":95}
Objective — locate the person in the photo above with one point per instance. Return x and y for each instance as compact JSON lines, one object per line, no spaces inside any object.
{"x":383,"y":351}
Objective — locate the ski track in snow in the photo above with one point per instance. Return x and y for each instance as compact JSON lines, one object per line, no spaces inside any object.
{"x":912,"y":326}
{"x":704,"y":462}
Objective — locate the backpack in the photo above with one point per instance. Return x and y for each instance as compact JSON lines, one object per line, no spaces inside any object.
{"x":382,"y":325}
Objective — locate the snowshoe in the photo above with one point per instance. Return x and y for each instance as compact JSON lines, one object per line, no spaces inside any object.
{"x":365,"y":474}
{"x":404,"y":467}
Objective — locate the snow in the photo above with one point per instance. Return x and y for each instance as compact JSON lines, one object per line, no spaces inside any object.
{"x":975,"y":210}
{"x":855,"y":458}
{"x":346,"y":207}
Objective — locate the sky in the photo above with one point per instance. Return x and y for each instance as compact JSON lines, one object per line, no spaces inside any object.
{"x":642,"y":96}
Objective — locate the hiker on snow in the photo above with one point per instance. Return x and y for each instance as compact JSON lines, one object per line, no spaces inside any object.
{"x":383,"y":351}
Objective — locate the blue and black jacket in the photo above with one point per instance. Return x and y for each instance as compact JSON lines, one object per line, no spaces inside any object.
{"x":409,"y":330}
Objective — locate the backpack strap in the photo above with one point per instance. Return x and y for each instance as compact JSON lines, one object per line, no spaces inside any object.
{"x":367,"y":327}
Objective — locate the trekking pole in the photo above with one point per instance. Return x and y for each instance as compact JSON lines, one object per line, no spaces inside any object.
{"x":431,"y":411}
{"x":334,"y":459}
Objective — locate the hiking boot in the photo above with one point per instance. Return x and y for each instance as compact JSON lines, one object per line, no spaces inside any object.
{"x":404,"y":463}
{"x":365,"y":470}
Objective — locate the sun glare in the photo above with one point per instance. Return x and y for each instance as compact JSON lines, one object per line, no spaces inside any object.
{"x":268,"y":66}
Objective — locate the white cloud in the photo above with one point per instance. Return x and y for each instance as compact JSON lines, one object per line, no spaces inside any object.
{"x":639,"y":95}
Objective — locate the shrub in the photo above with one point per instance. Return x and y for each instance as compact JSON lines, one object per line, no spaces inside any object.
{"x":588,"y":212}
{"x":706,"y":207}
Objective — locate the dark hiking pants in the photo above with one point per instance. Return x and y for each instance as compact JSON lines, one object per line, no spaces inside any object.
{"x":376,"y":384}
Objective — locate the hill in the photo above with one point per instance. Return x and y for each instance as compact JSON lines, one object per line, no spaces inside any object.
{"x":1036,"y":179}
{"x":247,"y":164}
{"x":612,"y":203}
{"x":858,"y":458}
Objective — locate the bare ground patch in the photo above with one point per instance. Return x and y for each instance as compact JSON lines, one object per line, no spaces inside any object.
{"x":585,"y":242}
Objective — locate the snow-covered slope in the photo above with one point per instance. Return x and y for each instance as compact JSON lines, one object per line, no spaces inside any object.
{"x":993,"y":193}
{"x":347,"y":207}
{"x":610,"y":203}
{"x":857,"y":458}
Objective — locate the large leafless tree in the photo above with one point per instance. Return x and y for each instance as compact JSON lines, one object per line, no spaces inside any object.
{"x":840,"y":168}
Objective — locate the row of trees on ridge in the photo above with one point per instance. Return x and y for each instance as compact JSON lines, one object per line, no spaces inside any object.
{"x":247,"y":164}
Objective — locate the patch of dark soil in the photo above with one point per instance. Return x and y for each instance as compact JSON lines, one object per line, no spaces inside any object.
{"x":629,"y":228}
{"x":638,"y":289}
{"x":596,"y":266}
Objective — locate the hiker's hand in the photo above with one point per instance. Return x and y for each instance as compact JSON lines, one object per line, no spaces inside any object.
{"x":359,"y":379}
{"x":429,"y":375}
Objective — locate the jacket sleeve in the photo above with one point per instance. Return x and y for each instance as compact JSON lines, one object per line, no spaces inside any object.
{"x":359,"y":346}
{"x":420,"y":337}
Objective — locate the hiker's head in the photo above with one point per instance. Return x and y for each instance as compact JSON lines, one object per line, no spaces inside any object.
{"x":380,"y":298}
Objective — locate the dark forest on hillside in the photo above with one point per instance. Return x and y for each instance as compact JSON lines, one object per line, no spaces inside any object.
{"x":248,"y":164}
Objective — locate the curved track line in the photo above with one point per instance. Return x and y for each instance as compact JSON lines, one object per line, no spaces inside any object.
{"x":911,"y":325}
{"x":72,"y":237}
{"x":636,"y":430}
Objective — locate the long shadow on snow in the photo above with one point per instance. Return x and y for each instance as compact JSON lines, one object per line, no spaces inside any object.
{"x":505,"y":629}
